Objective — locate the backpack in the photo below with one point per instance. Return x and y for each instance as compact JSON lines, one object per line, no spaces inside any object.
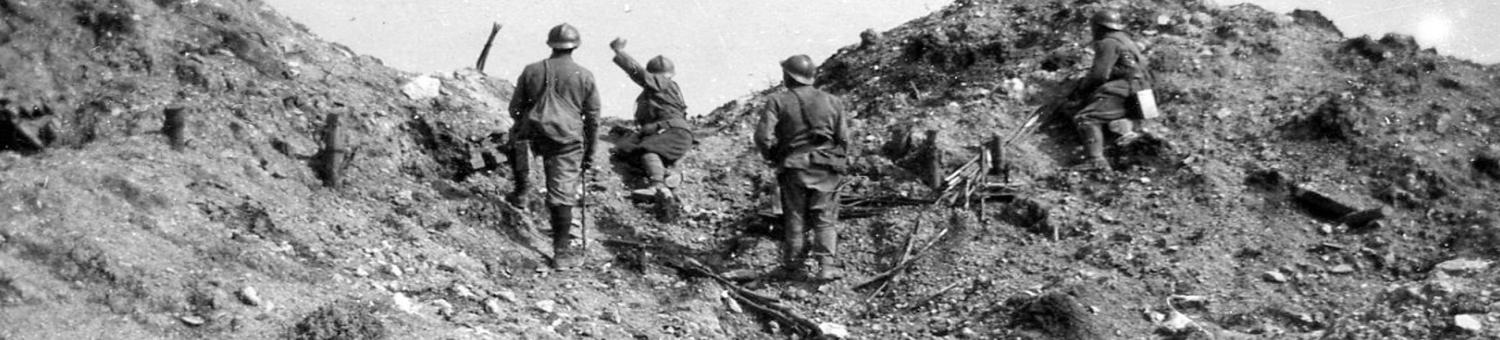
{"x":821,"y":151}
{"x":544,"y":120}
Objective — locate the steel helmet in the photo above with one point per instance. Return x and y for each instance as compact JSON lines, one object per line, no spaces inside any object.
{"x":661,"y":65}
{"x":800,"y":68}
{"x":1110,"y":19}
{"x":563,"y":37}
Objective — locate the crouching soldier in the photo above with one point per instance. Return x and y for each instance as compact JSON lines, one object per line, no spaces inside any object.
{"x":556,"y":108}
{"x":804,"y":136}
{"x":1117,"y":85}
{"x":663,"y":134}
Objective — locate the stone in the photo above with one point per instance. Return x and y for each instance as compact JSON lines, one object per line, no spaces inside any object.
{"x":249,"y":296}
{"x":493,"y":306}
{"x":1163,"y":20}
{"x":1176,"y":322}
{"x":394,"y":270}
{"x":404,"y":304}
{"x":833,"y":331}
{"x":1463,"y":266}
{"x":1341,"y":269}
{"x":422,"y":87}
{"x":1201,"y":19}
{"x":1274,"y":277}
{"x":192,"y":320}
{"x":443,"y":307}
{"x":546,"y":306}
{"x":1468,"y":322}
{"x":610,"y":315}
{"x":463,"y":291}
{"x":508,"y":296}
{"x":460,"y":263}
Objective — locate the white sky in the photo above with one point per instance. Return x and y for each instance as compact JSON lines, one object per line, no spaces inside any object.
{"x":727,"y":49}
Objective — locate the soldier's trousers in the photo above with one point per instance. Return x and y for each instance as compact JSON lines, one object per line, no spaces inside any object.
{"x":807,"y":208}
{"x":561,"y":164}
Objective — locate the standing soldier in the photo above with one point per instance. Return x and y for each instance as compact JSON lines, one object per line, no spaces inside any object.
{"x":556,"y":108}
{"x":664,"y":135}
{"x":803,"y":134}
{"x":1118,"y":73}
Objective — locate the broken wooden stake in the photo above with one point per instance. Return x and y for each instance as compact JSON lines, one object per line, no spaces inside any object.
{"x":934,"y":296}
{"x":485,"y":53}
{"x":1364,"y":219}
{"x":902,"y":266}
{"x":174,"y":125}
{"x":1326,"y":207}
{"x":333,"y":152}
{"x":761,"y":303}
{"x":934,"y":161}
{"x":1318,"y":203}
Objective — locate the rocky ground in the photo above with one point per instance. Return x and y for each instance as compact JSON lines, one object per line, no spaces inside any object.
{"x":1218,"y":228}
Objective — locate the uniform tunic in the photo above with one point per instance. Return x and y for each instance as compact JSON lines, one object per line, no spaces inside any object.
{"x":809,"y":189}
{"x":564,"y":91}
{"x":1118,"y":72}
{"x":660,"y":113}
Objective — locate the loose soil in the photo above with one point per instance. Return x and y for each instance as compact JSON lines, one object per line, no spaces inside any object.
{"x":108,"y":232}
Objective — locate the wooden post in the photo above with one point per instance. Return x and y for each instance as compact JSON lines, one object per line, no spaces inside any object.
{"x":174,"y":125}
{"x":934,"y":160}
{"x":333,"y":152}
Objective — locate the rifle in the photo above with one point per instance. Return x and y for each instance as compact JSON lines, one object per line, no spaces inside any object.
{"x":485,"y":54}
{"x":583,"y":207}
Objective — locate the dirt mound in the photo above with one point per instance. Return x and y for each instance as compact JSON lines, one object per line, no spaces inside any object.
{"x":1235,"y":220}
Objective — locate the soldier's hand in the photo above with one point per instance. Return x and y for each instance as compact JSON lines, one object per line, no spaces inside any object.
{"x":617,"y":44}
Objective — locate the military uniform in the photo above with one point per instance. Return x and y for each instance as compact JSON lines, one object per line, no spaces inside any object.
{"x":804,"y":135}
{"x":556,"y":106}
{"x":664,"y":135}
{"x":1117,"y":74}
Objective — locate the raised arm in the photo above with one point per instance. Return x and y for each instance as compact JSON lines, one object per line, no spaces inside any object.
{"x":632,"y":68}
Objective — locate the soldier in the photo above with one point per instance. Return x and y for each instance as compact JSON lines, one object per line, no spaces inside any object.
{"x":804,"y":136}
{"x":556,"y":108}
{"x":664,"y":135}
{"x":1118,"y":73}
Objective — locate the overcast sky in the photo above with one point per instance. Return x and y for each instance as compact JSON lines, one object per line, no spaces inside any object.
{"x":727,"y":49}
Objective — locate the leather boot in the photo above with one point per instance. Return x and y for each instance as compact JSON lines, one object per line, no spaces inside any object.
{"x":829,"y":268}
{"x":1126,"y":129}
{"x":563,"y":254}
{"x":520,"y":169}
{"x":1093,"y":142}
